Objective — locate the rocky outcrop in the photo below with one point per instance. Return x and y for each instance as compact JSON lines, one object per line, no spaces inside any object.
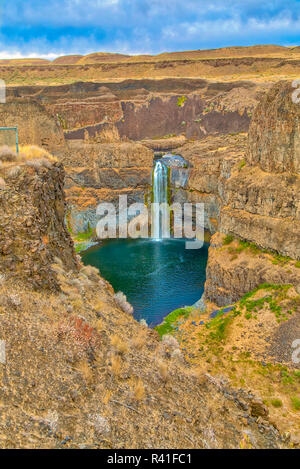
{"x":261,"y":202}
{"x":32,"y":229}
{"x":78,"y":371}
{"x":209,"y":164}
{"x":232,"y":272}
{"x":35,"y":125}
{"x":146,"y":108}
{"x":261,"y":199}
{"x":100,"y":173}
{"x":274,"y":135}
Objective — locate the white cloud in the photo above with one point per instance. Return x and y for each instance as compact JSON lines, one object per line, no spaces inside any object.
{"x":15,"y":54}
{"x":59,"y":27}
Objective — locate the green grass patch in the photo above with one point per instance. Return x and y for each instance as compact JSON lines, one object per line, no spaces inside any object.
{"x":181,"y":100}
{"x":80,"y":247}
{"x":228,"y":239}
{"x":255,"y":304}
{"x":219,"y":326}
{"x":295,"y":402}
{"x":85,"y":235}
{"x":166,"y":326}
{"x":280,"y":260}
{"x":242,"y":163}
{"x":276,"y":403}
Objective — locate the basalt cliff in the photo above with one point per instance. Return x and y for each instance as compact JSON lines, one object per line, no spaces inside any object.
{"x":225,"y":377}
{"x":260,"y":206}
{"x":77,"y":371}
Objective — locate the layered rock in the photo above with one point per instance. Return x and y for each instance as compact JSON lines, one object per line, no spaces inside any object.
{"x":101,"y":173}
{"x":146,"y":108}
{"x":32,"y":229}
{"x":210,"y":162}
{"x":261,"y":201}
{"x":78,"y":371}
{"x":231,"y":272}
{"x":35,"y":125}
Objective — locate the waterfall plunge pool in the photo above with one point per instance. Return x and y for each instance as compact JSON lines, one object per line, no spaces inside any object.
{"x":157,"y":276}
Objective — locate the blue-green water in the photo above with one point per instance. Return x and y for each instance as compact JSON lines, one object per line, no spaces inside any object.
{"x":156,"y":276}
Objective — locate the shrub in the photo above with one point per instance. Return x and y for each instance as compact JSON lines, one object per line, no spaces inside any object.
{"x":122,"y":302}
{"x":2,"y":183}
{"x":295,"y":403}
{"x":80,"y":335}
{"x":138,"y":390}
{"x":39,"y":163}
{"x":177,"y":355}
{"x":7,"y":154}
{"x":170,"y":341}
{"x":118,"y":344}
{"x":276,"y":403}
{"x":228,"y":239}
{"x":14,"y":172}
{"x":181,"y":100}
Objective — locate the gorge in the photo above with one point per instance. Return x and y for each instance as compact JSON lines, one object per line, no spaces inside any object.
{"x":219,"y":373}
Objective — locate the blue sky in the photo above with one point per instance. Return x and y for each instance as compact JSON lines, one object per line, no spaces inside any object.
{"x":31,"y":28}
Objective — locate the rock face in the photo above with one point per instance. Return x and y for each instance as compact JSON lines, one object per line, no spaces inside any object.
{"x":146,"y":108}
{"x":79,"y":372}
{"x":209,"y":164}
{"x":34,"y":124}
{"x":32,"y":229}
{"x":232,"y":273}
{"x":261,"y":201}
{"x":101,"y":173}
{"x":274,"y":134}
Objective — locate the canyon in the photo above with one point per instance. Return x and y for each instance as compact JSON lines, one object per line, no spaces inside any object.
{"x":232,"y":138}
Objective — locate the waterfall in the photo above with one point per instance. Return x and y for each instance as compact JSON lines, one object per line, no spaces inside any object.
{"x":160,"y":212}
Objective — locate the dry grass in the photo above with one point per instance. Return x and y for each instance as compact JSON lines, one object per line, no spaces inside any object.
{"x":30,"y":155}
{"x":33,"y":152}
{"x":138,"y":389}
{"x":119,"y":345}
{"x":163,"y":371}
{"x":2,"y":183}
{"x":139,"y":340}
{"x":116,"y":365}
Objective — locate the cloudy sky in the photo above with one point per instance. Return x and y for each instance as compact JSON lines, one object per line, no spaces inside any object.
{"x":31,"y":28}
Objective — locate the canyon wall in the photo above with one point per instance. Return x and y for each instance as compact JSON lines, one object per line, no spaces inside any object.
{"x":261,"y":205}
{"x":95,"y":130}
{"x":79,"y":372}
{"x":101,"y":173}
{"x":146,"y":108}
{"x":32,"y":230}
{"x":210,"y":162}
